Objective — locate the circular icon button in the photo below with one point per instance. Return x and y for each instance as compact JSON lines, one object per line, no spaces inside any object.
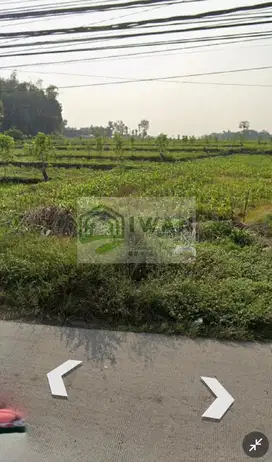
{"x":255,"y":445}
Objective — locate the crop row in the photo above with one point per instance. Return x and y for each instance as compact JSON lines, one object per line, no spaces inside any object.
{"x":219,"y":186}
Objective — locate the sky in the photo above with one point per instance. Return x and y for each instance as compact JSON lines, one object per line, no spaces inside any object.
{"x":196,"y":107}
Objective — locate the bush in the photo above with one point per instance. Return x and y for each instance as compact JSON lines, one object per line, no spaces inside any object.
{"x":162,"y":142}
{"x":6,"y":145}
{"x":213,"y":230}
{"x":224,"y":230}
{"x":230,"y":291}
{"x":16,"y":134}
{"x":264,"y":226}
{"x":242,"y":237}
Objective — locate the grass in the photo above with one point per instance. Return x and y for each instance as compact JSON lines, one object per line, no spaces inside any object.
{"x":228,"y":285}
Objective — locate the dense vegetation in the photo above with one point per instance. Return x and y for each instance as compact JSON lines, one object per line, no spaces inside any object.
{"x":225,"y":292}
{"x":29,"y":108}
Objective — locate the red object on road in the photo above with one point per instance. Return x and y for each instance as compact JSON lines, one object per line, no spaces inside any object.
{"x":11,"y":420}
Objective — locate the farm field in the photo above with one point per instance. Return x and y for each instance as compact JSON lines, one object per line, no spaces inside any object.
{"x":225,"y":292}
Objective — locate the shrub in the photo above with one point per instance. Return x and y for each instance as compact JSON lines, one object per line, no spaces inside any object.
{"x":15,"y":133}
{"x":6,"y":145}
{"x":263,"y":226}
{"x":242,"y":237}
{"x":213,"y":230}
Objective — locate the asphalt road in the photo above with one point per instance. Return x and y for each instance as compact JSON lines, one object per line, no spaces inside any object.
{"x":135,"y":397}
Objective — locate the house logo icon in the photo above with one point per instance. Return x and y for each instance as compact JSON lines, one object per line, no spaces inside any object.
{"x":102,"y":223}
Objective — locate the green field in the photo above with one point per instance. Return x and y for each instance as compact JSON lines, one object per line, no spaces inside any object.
{"x":229,"y":284}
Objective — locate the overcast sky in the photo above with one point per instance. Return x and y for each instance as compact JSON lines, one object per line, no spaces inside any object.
{"x":173,"y":108}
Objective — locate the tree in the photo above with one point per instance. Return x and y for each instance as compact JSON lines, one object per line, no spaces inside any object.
{"x":63,"y":126}
{"x":109,"y":129}
{"x":1,"y":112}
{"x":207,"y":139}
{"x":51,"y":92}
{"x":118,"y":143}
{"x":132,"y":143}
{"x":6,"y":145}
{"x":244,"y":125}
{"x":192,"y":139}
{"x":143,"y":127}
{"x":29,"y":108}
{"x":41,"y":149}
{"x":162,"y":143}
{"x":119,"y":127}
{"x":99,"y":144}
{"x":39,"y":84}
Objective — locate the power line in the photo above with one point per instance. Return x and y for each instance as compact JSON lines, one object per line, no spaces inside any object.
{"x":153,"y":79}
{"x":43,"y":52}
{"x":134,"y":55}
{"x":230,"y":38}
{"x":149,"y":44}
{"x":56,"y":44}
{"x":168,"y":80}
{"x":74,"y":40}
{"x":223,"y":84}
{"x":47,"y":5}
{"x":231,"y":84}
{"x":129,"y":25}
{"x":94,"y":23}
{"x":86,"y":9}
{"x":141,"y":54}
{"x":130,"y":14}
{"x":208,"y":16}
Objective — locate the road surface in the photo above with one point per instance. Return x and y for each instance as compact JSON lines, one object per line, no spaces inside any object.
{"x":135,"y":397}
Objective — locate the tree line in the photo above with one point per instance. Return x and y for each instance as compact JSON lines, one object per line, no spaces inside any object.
{"x":28,"y":107}
{"x":112,"y":128}
{"x":247,"y":133}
